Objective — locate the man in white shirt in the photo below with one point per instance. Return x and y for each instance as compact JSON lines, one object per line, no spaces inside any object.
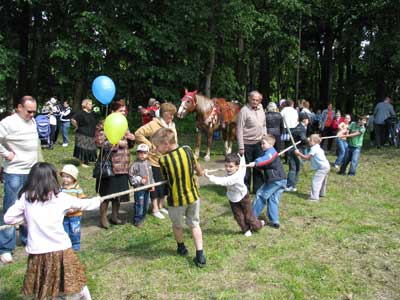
{"x":19,"y":144}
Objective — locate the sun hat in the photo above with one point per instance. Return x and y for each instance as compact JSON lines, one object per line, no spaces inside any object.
{"x":142,"y":148}
{"x":70,"y":170}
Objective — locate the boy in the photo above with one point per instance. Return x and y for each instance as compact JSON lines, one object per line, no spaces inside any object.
{"x":299,"y":134}
{"x":238,"y":193}
{"x":177,"y":165}
{"x":275,"y":181}
{"x":355,"y":140}
{"x":72,"y":220}
{"x":320,"y":164}
{"x":140,"y":174}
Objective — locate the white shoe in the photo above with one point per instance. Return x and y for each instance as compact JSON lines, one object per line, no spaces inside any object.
{"x":262,"y":223}
{"x":248,"y":233}
{"x":65,"y":145}
{"x":158,"y":215}
{"x":6,"y":258}
{"x":290,"y":189}
{"x":164,"y":211}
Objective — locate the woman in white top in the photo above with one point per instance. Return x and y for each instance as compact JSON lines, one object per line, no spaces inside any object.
{"x":53,"y":267}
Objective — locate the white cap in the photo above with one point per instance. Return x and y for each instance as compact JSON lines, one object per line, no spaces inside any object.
{"x":70,"y":170}
{"x":142,"y":148}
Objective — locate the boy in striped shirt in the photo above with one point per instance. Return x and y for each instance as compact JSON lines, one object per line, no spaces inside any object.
{"x":178,"y":166}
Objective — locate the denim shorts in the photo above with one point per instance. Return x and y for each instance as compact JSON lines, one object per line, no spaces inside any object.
{"x":191,"y":212}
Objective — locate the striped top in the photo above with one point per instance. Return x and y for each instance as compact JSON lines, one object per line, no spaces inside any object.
{"x":75,"y":191}
{"x":178,"y":167}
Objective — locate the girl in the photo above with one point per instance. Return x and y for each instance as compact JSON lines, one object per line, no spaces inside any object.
{"x":53,"y":268}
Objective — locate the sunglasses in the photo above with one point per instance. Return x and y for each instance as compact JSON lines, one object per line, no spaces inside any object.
{"x":31,"y":111}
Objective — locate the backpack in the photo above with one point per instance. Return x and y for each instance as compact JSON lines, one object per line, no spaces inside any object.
{"x":43,"y":128}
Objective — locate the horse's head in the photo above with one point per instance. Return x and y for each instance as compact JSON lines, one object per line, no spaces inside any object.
{"x":188,"y":104}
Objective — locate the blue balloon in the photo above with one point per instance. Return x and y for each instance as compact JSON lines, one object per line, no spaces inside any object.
{"x":103,"y":89}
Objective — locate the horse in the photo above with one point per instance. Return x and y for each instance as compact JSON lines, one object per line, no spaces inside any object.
{"x":211,"y":114}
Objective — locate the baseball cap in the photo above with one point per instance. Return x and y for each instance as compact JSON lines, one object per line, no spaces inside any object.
{"x":142,"y":148}
{"x":70,"y":170}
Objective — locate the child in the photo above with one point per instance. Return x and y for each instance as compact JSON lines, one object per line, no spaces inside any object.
{"x":53,"y":267}
{"x":355,"y":140}
{"x":299,"y":134}
{"x":72,"y":220}
{"x":238,"y":193}
{"x":140,"y":174}
{"x":275,"y":181}
{"x":177,"y":165}
{"x":320,"y":164}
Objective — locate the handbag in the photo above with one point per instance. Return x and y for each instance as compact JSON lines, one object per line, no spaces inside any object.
{"x":103,"y":169}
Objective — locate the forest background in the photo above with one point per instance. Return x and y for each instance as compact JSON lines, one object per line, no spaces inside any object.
{"x":347,"y":52}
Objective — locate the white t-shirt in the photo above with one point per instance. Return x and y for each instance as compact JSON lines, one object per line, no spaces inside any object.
{"x":45,"y":220}
{"x":290,"y":115}
{"x":235,"y":187}
{"x":318,"y":160}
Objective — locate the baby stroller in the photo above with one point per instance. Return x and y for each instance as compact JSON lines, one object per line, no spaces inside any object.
{"x":43,"y":129}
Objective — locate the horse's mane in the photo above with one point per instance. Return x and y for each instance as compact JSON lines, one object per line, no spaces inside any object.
{"x":204,"y":104}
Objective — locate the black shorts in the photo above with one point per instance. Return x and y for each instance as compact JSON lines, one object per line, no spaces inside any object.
{"x":161,"y":190}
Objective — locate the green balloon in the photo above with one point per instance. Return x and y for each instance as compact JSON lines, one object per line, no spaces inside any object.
{"x":115,"y":127}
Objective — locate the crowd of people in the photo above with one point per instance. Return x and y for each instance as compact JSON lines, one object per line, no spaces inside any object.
{"x":32,"y":189}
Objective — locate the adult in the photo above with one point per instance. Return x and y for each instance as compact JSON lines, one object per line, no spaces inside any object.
{"x":382,"y":112}
{"x":65,"y":122}
{"x":19,"y":148}
{"x":291,"y":119}
{"x":325,"y":125}
{"x":120,"y":157}
{"x":84,"y":122}
{"x":56,"y":109}
{"x":251,"y":127}
{"x":341,"y":141}
{"x":143,"y":135}
{"x":274,"y":123}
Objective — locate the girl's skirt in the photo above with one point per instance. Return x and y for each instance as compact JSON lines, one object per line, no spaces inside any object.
{"x":53,"y":274}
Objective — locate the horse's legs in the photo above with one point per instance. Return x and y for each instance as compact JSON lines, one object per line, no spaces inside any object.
{"x":198,"y":143}
{"x":232,"y":136}
{"x":210,"y":133}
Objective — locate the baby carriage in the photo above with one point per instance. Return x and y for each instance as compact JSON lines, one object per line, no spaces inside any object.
{"x":43,"y":129}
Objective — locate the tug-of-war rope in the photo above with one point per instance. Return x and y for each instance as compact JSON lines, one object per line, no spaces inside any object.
{"x":145,"y":187}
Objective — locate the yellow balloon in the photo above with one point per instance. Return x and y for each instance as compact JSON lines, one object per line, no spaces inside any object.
{"x":115,"y":127}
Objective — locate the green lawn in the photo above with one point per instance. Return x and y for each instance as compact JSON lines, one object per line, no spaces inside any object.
{"x":345,"y":247}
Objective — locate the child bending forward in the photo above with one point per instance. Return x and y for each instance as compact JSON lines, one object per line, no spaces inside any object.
{"x":54,"y":270}
{"x":274,"y":181}
{"x":320,"y":164}
{"x":237,"y":193}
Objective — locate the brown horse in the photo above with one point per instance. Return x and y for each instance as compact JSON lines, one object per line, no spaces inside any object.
{"x":211,"y":114}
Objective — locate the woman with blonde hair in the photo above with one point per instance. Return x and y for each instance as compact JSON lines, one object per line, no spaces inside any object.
{"x":144,"y":135}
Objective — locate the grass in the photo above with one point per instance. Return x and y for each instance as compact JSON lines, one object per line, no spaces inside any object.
{"x":345,"y":247}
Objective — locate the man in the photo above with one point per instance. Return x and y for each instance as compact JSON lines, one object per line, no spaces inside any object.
{"x":325,"y":125}
{"x":383,"y":111}
{"x":290,"y":118}
{"x":251,"y":127}
{"x":19,"y":144}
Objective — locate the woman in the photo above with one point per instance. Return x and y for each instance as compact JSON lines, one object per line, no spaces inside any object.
{"x":275,"y":125}
{"x":341,"y":143}
{"x":65,"y":122}
{"x":143,"y":135}
{"x":120,"y":157}
{"x":84,"y":122}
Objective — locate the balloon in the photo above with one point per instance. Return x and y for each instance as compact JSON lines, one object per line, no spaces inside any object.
{"x":115,"y":127}
{"x":103,"y":89}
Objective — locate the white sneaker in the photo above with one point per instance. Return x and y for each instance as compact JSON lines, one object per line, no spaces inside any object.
{"x":290,"y":189}
{"x":158,"y":215}
{"x":248,"y":233}
{"x":65,"y":145}
{"x":262,"y":223}
{"x":6,"y":258}
{"x":164,"y":211}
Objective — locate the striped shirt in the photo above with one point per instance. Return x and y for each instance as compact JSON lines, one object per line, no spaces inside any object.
{"x":178,"y":167}
{"x":75,"y":191}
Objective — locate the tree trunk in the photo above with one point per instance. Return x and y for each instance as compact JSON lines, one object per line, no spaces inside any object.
{"x":209,"y":72}
{"x":25,"y":19}
{"x":265,"y":77}
{"x":326,"y":57}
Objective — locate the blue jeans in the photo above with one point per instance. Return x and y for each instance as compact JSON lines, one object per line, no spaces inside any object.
{"x":294,"y":169}
{"x":269,"y":193}
{"x":352,"y":156}
{"x":64,"y":131}
{"x":12,"y":185}
{"x":72,"y":226}
{"x":141,"y":205}
{"x":342,"y":148}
